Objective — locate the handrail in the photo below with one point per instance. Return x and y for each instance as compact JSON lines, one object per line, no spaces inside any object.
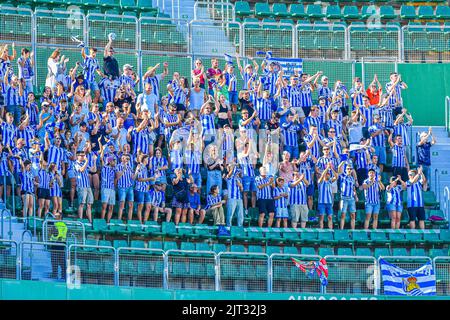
{"x":447,"y":116}
{"x":446,"y":203}
{"x":437,"y":185}
{"x":2,"y":223}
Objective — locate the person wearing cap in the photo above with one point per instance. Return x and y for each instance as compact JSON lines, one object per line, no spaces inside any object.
{"x":323,"y":90}
{"x":110,"y":64}
{"x":127,"y":76}
{"x":194,"y":207}
{"x":423,"y":151}
{"x":155,"y":79}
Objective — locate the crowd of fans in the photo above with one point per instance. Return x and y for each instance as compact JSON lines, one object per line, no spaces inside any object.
{"x":113,"y":145}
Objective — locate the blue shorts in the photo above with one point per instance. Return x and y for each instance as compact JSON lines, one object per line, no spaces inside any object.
{"x":394,"y":207}
{"x":325,"y":208}
{"x":233,"y":97}
{"x":281,"y":213}
{"x":293,"y":151}
{"x":71,"y":173}
{"x":381,"y":153}
{"x":248,"y":184}
{"x":126,"y":194}
{"x":108,"y":196}
{"x":372,"y":208}
{"x":348,"y":205}
{"x":143,"y":197}
{"x":93,"y":86}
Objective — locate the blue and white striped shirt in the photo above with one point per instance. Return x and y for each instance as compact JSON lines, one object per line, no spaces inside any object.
{"x":270,"y":84}
{"x":368,"y":113}
{"x":82,"y":177}
{"x":315,"y":150}
{"x":12,"y":96}
{"x":127,"y":80}
{"x":281,"y":202}
{"x":396,"y":96}
{"x":361,"y":159}
{"x":233,"y":189}
{"x":176,"y":159}
{"x":157,"y":198}
{"x":325,"y":192}
{"x":386,"y":116}
{"x":347,"y":186}
{"x":398,"y":156}
{"x":27,"y":178}
{"x":4,"y":169}
{"x":325,"y":92}
{"x":247,"y":167}
{"x":379,"y":140}
{"x":108,"y":176}
{"x":290,"y":133}
{"x":394,"y":195}
{"x":142,"y":186}
{"x":208,"y":128}
{"x":313,"y":121}
{"x":264,"y":109}
{"x":231,"y":81}
{"x":56,"y":155}
{"x":154,"y":81}
{"x":180,"y":95}
{"x":266,"y":192}
{"x":126,"y":180}
{"x":44,"y":179}
{"x":402,"y":130}
{"x":31,"y":110}
{"x":212,"y":201}
{"x":372,"y":194}
{"x":294,"y":95}
{"x":108,"y":89}
{"x":415,"y":196}
{"x":246,"y":77}
{"x":306,"y":95}
{"x":336,"y":125}
{"x":297,"y":194}
{"x":193,"y":160}
{"x":90,"y":65}
{"x":9,"y":133}
{"x":306,"y":169}
{"x":157,"y":163}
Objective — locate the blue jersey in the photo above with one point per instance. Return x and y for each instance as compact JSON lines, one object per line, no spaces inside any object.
{"x":313,"y":121}
{"x":401,"y":129}
{"x":297,"y":194}
{"x":233,"y":189}
{"x":4,"y":169}
{"x":208,"y":128}
{"x":246,"y":77}
{"x":31,"y":110}
{"x":270,"y":83}
{"x":44,"y":179}
{"x":325,"y":92}
{"x":306,"y":169}
{"x":157,"y":198}
{"x":281,"y":202}
{"x":142,"y":186}
{"x":141,"y":140}
{"x":212,"y":201}
{"x":336,"y":125}
{"x":156,"y":165}
{"x":368,"y":113}
{"x":415,"y":196}
{"x":396,"y":98}
{"x":264,"y":109}
{"x":108,"y":176}
{"x":306,"y":95}
{"x":290,"y":133}
{"x":247,"y":167}
{"x":379,"y":140}
{"x":347,"y":186}
{"x":325,"y":192}
{"x":176,"y":159}
{"x":12,"y":96}
{"x":155,"y":82}
{"x":315,"y":149}
{"x":265,"y":192}
{"x":386,"y":116}
{"x":361,"y":159}
{"x":398,"y":156}
{"x":394,"y":195}
{"x":294,"y":95}
{"x":82,"y":176}
{"x":27,"y":134}
{"x":27,"y":179}
{"x":231,"y":81}
{"x":127,"y":80}
{"x":56,"y":155}
{"x":180,"y":95}
{"x":90,"y":66}
{"x":126,"y":180}
{"x":193,"y":161}
{"x":372,"y":194}
{"x":108,"y":89}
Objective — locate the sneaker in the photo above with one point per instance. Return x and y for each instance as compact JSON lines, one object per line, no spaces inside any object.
{"x":246,"y":212}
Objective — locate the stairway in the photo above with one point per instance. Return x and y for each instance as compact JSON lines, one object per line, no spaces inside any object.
{"x":208,"y":37}
{"x":440,"y":159}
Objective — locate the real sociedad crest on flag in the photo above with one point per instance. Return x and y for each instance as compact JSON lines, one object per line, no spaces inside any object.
{"x":397,"y":281}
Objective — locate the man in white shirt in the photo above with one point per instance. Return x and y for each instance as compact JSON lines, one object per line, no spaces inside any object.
{"x":147,"y":100}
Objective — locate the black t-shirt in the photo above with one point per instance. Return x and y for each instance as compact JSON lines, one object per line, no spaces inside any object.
{"x":247,"y":104}
{"x":111,"y":67}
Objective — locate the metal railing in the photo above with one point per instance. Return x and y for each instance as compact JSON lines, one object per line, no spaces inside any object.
{"x":447,"y":115}
{"x":74,"y":228}
{"x":447,"y":203}
{"x":201,"y":270}
{"x":223,"y":11}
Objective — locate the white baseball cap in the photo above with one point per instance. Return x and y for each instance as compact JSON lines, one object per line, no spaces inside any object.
{"x":127,"y":66}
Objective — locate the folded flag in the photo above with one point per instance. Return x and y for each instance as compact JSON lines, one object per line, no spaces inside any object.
{"x":80,"y":43}
{"x":397,"y":281}
{"x":310,"y":268}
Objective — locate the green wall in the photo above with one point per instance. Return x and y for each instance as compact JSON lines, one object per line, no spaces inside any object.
{"x":35,"y":290}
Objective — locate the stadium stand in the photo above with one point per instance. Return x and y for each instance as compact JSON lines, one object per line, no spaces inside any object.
{"x":99,"y":150}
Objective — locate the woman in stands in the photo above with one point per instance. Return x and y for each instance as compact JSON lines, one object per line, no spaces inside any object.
{"x":55,"y":190}
{"x":199,"y":73}
{"x":180,"y":194}
{"x":52,"y":67}
{"x":394,"y":200}
{"x":28,"y":186}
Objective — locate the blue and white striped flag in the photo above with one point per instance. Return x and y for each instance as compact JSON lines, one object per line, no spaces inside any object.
{"x":228,"y":58}
{"x":397,"y":281}
{"x":289,"y":65}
